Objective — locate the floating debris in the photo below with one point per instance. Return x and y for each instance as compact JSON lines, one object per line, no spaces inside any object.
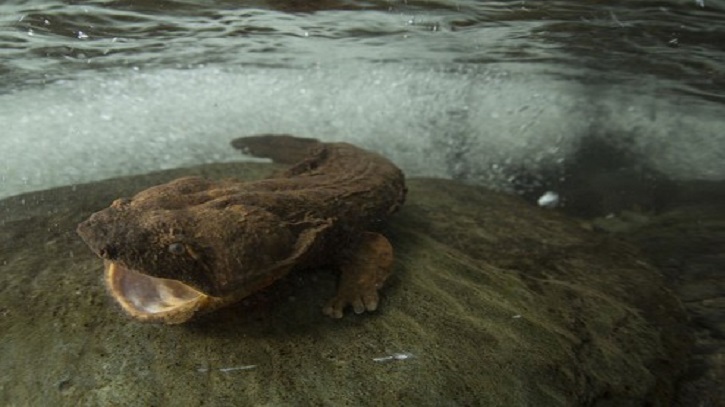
{"x":394,"y":356}
{"x":550,"y":199}
{"x":232,"y":369}
{"x":228,"y":369}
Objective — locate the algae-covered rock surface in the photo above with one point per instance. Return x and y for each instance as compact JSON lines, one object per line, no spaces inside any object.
{"x":687,"y":242}
{"x":493,"y":302}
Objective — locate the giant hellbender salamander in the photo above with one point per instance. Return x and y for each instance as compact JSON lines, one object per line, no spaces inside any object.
{"x":192,"y":245}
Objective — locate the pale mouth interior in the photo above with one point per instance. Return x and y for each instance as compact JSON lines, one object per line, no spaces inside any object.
{"x":152,"y":299}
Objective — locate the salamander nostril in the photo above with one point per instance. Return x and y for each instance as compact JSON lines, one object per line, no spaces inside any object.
{"x":108,"y":252}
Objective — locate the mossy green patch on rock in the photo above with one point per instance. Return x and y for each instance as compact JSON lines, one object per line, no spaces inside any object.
{"x":493,"y":302}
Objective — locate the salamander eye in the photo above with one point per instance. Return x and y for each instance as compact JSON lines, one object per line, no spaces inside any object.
{"x":176,"y":248}
{"x":121,"y":202}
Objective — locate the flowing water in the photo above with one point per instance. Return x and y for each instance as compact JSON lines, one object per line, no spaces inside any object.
{"x":515,"y":95}
{"x":473,"y":90}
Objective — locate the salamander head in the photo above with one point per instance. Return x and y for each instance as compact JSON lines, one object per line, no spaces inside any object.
{"x":168,"y":264}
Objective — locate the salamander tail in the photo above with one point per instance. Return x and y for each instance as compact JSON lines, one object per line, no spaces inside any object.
{"x":281,"y":148}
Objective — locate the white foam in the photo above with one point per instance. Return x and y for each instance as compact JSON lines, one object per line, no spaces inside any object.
{"x":468,"y":122}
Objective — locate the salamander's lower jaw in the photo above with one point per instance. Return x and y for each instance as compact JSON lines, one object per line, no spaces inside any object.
{"x":151,"y":299}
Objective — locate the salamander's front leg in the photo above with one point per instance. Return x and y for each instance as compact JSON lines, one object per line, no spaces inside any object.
{"x":363,"y":274}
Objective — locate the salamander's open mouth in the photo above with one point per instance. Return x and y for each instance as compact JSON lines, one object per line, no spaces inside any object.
{"x":154,"y":299}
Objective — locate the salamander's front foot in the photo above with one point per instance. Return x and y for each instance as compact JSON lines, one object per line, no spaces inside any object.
{"x":360,"y":302}
{"x":362,"y":276}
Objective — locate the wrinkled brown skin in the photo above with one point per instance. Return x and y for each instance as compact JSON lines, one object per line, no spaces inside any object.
{"x":229,"y":238}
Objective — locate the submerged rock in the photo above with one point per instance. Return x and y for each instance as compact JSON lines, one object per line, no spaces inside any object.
{"x":686,"y":242}
{"x":493,"y":302}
